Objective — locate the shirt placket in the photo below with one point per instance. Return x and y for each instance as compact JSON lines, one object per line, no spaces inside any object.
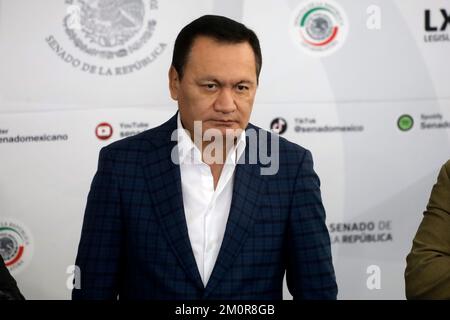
{"x":208,"y":187}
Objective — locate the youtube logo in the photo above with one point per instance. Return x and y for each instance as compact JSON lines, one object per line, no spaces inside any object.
{"x":104,"y":131}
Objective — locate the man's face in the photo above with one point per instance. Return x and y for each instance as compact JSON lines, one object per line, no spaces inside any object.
{"x":218,"y":85}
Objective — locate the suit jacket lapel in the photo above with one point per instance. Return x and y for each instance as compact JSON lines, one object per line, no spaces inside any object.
{"x":164,"y":183}
{"x":248,"y":184}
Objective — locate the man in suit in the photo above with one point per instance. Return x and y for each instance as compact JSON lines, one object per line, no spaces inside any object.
{"x":174,"y":214}
{"x":8,"y":286}
{"x":427,"y":273}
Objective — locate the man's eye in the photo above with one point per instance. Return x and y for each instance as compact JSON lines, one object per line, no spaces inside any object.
{"x":210,"y":86}
{"x":241,"y":87}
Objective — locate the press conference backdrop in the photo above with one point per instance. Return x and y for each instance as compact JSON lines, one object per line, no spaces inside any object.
{"x":364,"y":84}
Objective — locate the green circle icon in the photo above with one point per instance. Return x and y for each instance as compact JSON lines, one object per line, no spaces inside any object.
{"x":405,"y":122}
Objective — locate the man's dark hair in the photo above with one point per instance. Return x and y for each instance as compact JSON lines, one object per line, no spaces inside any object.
{"x":219,"y":28}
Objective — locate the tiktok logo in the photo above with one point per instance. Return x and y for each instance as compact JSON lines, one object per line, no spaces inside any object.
{"x":278,"y":125}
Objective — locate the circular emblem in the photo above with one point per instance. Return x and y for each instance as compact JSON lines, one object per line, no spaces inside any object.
{"x":405,"y":122}
{"x":15,"y":245}
{"x":278,"y":125}
{"x":109,"y":28}
{"x":104,"y":131}
{"x":319,"y":27}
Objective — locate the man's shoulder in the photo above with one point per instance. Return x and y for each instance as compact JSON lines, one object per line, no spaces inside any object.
{"x":286,"y":148}
{"x":446,"y":169}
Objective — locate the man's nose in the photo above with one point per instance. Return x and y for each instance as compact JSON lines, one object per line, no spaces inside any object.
{"x":225,"y":101}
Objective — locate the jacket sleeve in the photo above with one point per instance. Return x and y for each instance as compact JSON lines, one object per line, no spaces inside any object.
{"x":427,"y":274}
{"x":309,"y":272}
{"x":99,"y":250}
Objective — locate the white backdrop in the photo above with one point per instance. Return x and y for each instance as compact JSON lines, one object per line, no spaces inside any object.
{"x":376,"y":178}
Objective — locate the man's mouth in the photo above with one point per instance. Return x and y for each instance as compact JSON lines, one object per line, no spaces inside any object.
{"x":224,"y":121}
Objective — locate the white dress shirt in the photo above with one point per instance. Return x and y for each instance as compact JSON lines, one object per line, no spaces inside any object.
{"x":206,"y":209}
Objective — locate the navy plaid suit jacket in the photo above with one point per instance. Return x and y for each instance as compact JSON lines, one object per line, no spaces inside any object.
{"x":135,"y":244}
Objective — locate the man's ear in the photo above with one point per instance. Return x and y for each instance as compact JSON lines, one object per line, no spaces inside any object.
{"x":174,"y":83}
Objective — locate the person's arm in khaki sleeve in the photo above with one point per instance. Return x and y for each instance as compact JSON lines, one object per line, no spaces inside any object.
{"x":427,"y":274}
